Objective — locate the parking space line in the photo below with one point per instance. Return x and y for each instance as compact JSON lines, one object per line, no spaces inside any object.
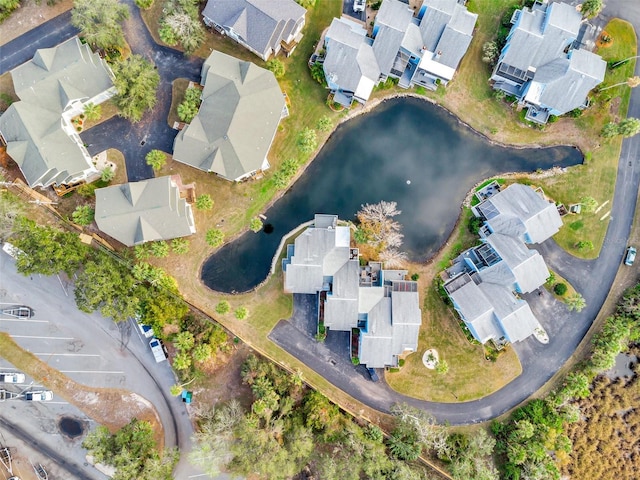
{"x":29,"y":320}
{"x":91,"y":371}
{"x":68,"y":354}
{"x":43,"y":338}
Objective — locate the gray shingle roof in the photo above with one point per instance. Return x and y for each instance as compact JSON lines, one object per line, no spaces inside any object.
{"x":456,"y":37}
{"x":32,"y":127}
{"x":262,"y":24}
{"x":435,"y":18}
{"x":139,"y":212}
{"x":350,"y":60}
{"x":535,"y":42}
{"x":520,"y":265}
{"x":392,"y":22}
{"x":564,"y":84}
{"x":514,"y":315}
{"x":520,"y":212}
{"x":241,"y":107}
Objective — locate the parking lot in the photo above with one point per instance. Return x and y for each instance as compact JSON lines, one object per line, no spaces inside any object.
{"x":90,"y":350}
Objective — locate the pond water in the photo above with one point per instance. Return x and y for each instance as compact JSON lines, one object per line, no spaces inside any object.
{"x":406,"y":150}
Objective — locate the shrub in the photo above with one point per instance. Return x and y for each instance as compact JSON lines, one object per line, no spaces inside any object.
{"x":241,"y":313}
{"x":83,"y":215}
{"x":144,"y":4}
{"x":214,"y":237}
{"x":107,"y":174}
{"x":560,"y":289}
{"x":180,"y":246}
{"x":276,"y":67}
{"x":223,"y":307}
{"x":204,"y":202}
{"x":87,"y":190}
{"x":324,"y":124}
{"x":156,"y":159}
{"x":415,"y":277}
{"x":307,"y":140}
{"x":159,"y":249}
{"x":256,"y":224}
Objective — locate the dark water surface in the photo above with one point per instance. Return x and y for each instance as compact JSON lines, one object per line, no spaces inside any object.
{"x":407,"y":151}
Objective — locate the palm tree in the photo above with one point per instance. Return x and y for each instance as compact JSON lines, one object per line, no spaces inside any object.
{"x":632,"y":82}
{"x":92,"y":111}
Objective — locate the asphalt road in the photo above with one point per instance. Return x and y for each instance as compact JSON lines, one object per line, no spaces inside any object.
{"x":47,"y":35}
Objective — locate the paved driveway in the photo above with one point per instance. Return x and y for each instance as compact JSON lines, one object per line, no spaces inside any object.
{"x":152,"y":132}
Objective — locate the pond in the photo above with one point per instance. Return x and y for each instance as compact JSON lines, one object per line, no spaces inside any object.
{"x":407,"y":151}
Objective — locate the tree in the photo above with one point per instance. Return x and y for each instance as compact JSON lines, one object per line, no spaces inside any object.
{"x":159,"y":249}
{"x":100,"y":22}
{"x":404,"y":443}
{"x":560,"y":289}
{"x":83,"y":215}
{"x":490,"y":52}
{"x":223,"y":307}
{"x":610,"y":130}
{"x":92,"y":111}
{"x":584,"y":245}
{"x":576,"y":302}
{"x":591,"y":8}
{"x":629,"y":127}
{"x":204,"y":202}
{"x":317,"y":73}
{"x":182,"y":361}
{"x":188,"y":108}
{"x":442,"y":367}
{"x":47,"y":250}
{"x":202,"y":352}
{"x":631,"y":82}
{"x":184,"y":341}
{"x":589,"y":204}
{"x":144,"y":4}
{"x":276,"y":67}
{"x":107,"y":174}
{"x":10,"y":210}
{"x":255,"y":224}
{"x":214,"y":237}
{"x":324,"y":124}
{"x":307,"y":140}
{"x":156,"y":159}
{"x":136,"y":82}
{"x":180,"y":245}
{"x":241,"y":313}
{"x":181,"y":23}
{"x":132,"y":451}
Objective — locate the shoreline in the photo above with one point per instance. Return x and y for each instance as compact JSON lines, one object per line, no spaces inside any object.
{"x":365,"y":109}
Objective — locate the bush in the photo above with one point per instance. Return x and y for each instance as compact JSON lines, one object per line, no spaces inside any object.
{"x":560,"y":289}
{"x":107,"y":174}
{"x":83,"y":215}
{"x":214,"y":237}
{"x":180,"y":246}
{"x":156,"y":159}
{"x":204,"y":202}
{"x":159,"y":249}
{"x":276,"y":67}
{"x":255,"y":225}
{"x":241,"y":313}
{"x":324,"y":124}
{"x":223,"y":307}
{"x":144,"y":4}
{"x":87,"y":190}
{"x":307,"y":140}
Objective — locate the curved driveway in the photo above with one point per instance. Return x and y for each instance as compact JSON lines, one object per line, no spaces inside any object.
{"x":540,"y":362}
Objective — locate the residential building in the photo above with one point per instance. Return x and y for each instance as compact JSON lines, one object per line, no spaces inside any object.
{"x":231,"y":135}
{"x":146,"y":211}
{"x":262,"y":26}
{"x":350,"y":66}
{"x":378,"y":307}
{"x":53,"y":88}
{"x":425,"y":49}
{"x":542,"y":64}
{"x":521,"y":212}
{"x":485,"y":282}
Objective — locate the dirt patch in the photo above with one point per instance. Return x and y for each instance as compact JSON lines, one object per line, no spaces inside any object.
{"x":225,"y":382}
{"x":604,"y":40}
{"x":28,"y":16}
{"x":614,"y":107}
